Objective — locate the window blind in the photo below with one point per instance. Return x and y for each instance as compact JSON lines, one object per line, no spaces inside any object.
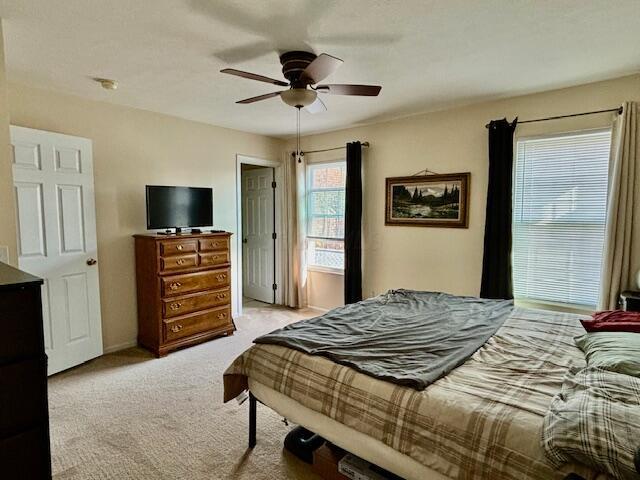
{"x":560,"y":203}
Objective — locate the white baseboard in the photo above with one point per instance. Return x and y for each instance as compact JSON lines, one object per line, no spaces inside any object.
{"x":120,"y":346}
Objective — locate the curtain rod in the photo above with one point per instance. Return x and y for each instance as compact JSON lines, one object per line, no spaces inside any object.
{"x":364,"y":144}
{"x":617,"y":109}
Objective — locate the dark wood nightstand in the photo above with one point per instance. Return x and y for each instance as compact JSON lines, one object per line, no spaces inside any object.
{"x":630,"y":301}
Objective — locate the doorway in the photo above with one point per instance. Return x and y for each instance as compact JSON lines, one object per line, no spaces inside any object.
{"x":258,"y":239}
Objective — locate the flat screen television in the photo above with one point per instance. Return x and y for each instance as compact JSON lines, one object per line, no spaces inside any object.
{"x":178,"y":207}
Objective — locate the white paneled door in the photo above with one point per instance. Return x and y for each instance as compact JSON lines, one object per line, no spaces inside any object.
{"x":53,"y":178}
{"x":258,"y":245}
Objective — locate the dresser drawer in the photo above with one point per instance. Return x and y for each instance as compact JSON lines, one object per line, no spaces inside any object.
{"x":20,"y":317}
{"x":214,"y":258}
{"x":23,"y":394}
{"x":178,"y":247}
{"x":188,"y":325}
{"x":195,"y":282}
{"x":211,"y":244}
{"x":26,"y":454}
{"x":173,"y":307}
{"x":178,"y":262}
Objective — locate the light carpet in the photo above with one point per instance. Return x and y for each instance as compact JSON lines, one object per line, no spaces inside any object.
{"x":129,"y":415}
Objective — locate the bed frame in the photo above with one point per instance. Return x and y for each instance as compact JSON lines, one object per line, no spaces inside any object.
{"x":253,"y":413}
{"x":253,"y":404}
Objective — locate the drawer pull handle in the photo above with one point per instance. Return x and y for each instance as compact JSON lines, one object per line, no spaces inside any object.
{"x":214,"y":257}
{"x":174,"y":285}
{"x":220,"y":296}
{"x":175,"y":306}
{"x":221,"y":276}
{"x":180,"y":261}
{"x":179,"y":247}
{"x":176,"y":328}
{"x":222,"y":316}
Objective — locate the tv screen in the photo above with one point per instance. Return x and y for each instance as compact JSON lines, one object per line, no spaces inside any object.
{"x":179,"y":207}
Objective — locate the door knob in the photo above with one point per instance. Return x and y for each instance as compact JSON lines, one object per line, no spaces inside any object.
{"x":244,"y":240}
{"x":91,"y":262}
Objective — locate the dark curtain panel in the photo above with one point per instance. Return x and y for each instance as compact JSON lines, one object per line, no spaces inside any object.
{"x":353,"y":225}
{"x":497,"y":281}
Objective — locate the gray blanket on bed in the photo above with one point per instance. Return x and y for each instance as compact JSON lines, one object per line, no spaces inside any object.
{"x":406,"y":337}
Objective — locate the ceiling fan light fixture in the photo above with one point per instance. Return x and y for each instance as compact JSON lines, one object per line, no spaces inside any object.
{"x":298,"y":97}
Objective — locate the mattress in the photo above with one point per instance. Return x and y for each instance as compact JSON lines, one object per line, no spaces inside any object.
{"x":481,"y":421}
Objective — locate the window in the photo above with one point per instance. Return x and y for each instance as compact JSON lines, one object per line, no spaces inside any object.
{"x":560,"y":203}
{"x":325,"y":215}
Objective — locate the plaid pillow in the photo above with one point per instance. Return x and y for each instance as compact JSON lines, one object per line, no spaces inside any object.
{"x":595,"y":421}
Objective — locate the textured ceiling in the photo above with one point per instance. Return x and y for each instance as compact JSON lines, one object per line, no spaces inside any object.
{"x":427,"y":54}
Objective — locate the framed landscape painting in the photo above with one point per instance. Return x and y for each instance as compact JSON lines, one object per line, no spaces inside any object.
{"x":428,"y":200}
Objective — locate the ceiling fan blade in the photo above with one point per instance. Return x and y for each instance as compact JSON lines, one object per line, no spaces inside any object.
{"x":254,"y":76}
{"x":259,"y":97}
{"x":340,"y":89}
{"x":316,"y":107}
{"x":323,"y":66}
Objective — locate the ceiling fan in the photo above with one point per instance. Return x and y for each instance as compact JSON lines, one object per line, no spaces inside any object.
{"x":302,"y":70}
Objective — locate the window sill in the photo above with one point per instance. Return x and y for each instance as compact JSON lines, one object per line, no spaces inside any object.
{"x":321,"y":269}
{"x":554,"y":306}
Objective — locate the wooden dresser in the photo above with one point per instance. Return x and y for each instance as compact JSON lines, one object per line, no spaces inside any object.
{"x":24,"y":412}
{"x":184,"y":289}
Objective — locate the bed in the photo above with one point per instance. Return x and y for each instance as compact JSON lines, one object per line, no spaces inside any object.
{"x":482,"y":420}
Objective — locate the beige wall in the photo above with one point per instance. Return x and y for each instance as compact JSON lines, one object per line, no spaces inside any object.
{"x":133,"y":148}
{"x":325,"y":290}
{"x":7,"y":206}
{"x":455,"y":140}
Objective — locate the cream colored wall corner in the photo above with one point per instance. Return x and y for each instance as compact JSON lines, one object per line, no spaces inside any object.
{"x":454,"y":140}
{"x":133,"y":148}
{"x":7,"y":200}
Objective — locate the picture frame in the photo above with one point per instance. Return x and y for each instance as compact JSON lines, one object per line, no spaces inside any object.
{"x":428,"y":200}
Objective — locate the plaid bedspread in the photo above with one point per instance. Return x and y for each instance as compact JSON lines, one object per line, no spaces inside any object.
{"x":595,"y":420}
{"x":481,"y":421}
